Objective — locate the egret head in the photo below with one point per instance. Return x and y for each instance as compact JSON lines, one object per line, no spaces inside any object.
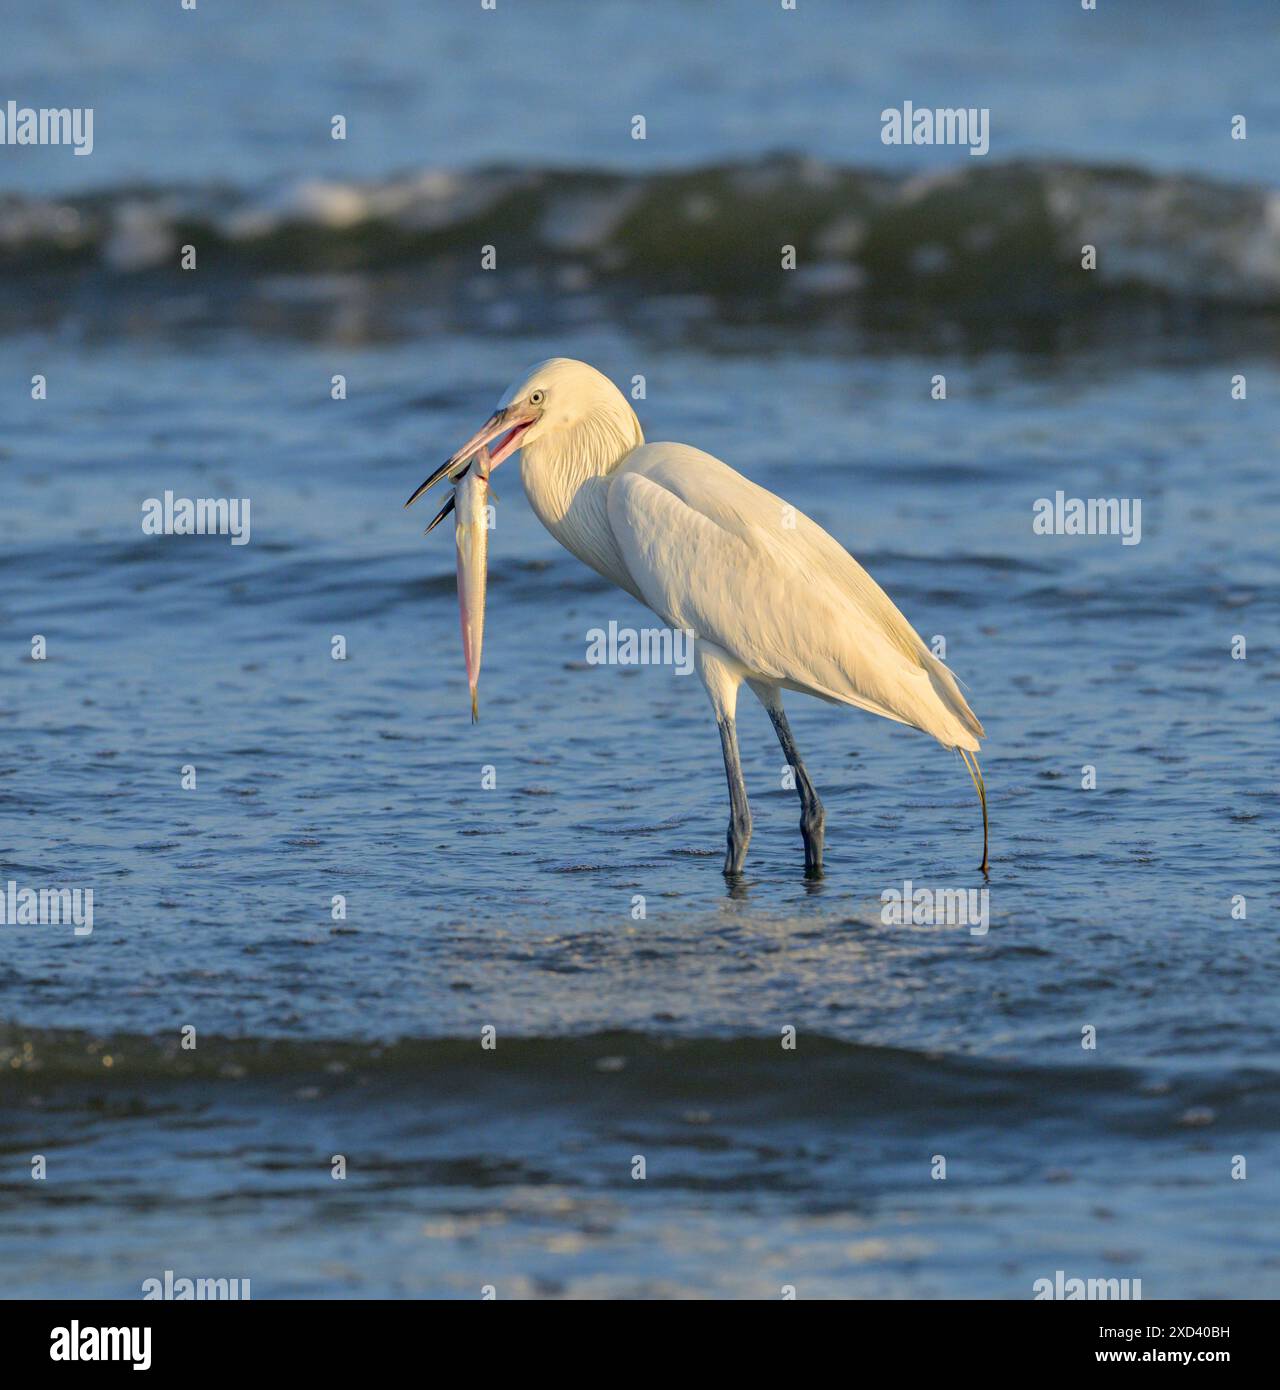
{"x":558,"y":402}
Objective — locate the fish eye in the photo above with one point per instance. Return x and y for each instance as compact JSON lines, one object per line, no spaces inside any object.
{"x":537,"y":397}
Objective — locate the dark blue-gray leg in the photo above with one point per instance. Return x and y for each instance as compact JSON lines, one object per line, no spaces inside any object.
{"x":739,"y":812}
{"x":722,"y":675}
{"x":813,"y":818}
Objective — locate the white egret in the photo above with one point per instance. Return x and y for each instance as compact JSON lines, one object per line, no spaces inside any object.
{"x":770,"y":597}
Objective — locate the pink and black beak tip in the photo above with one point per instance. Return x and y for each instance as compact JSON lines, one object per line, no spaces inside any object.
{"x":511,"y":422}
{"x":441,"y":472}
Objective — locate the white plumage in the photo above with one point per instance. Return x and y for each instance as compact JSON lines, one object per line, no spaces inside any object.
{"x":772,"y":599}
{"x":712,"y":551}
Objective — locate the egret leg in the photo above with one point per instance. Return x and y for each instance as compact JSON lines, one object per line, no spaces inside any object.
{"x":722,"y":676}
{"x":739,"y":812}
{"x":813,"y":818}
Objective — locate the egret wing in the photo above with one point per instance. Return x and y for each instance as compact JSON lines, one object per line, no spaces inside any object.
{"x":714,"y":552}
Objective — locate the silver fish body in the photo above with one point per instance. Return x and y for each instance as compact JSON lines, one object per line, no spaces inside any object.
{"x":471,"y":500}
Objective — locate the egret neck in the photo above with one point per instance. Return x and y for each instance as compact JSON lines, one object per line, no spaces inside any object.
{"x":566,"y":475}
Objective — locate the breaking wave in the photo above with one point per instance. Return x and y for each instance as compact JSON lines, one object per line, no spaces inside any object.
{"x":841,"y":1082}
{"x":991,"y":235}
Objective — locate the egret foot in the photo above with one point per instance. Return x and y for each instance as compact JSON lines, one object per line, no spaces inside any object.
{"x":813,"y":822}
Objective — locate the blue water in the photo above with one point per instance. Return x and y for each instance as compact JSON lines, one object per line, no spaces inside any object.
{"x":245,"y":92}
{"x":512,"y":907}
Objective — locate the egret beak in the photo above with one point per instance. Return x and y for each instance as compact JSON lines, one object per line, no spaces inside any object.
{"x":511,"y":421}
{"x":440,"y":515}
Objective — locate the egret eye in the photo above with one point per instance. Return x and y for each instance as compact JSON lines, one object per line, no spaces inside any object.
{"x":537,"y":397}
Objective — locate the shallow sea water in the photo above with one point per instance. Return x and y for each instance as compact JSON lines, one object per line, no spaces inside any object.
{"x":512,"y":908}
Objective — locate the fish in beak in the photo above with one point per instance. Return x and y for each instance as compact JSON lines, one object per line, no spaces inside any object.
{"x":511,"y":422}
{"x":471,"y":494}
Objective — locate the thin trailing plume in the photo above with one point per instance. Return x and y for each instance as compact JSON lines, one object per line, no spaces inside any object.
{"x":975,"y":772}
